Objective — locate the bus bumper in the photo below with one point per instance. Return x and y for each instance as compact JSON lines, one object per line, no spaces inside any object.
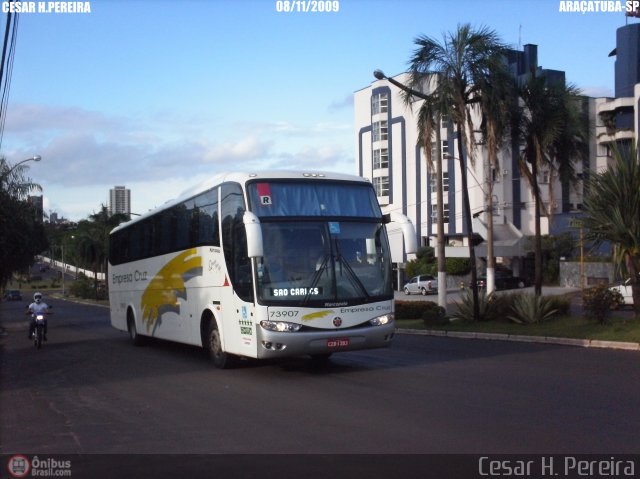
{"x":322,"y":342}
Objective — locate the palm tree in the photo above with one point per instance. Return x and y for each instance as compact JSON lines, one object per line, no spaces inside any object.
{"x":612,"y":213}
{"x":429,"y":123}
{"x":496,"y":105}
{"x":554,"y":137}
{"x":92,"y":240}
{"x":13,"y":181}
{"x":461,"y":64}
{"x":21,"y":236}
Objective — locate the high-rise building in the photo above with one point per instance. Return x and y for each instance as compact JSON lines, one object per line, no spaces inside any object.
{"x":37,"y":203}
{"x":119,"y":200}
{"x":617,"y":120}
{"x":388,"y":152}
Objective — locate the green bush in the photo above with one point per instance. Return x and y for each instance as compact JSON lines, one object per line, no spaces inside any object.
{"x":427,"y":263}
{"x":413,"y":309}
{"x":84,"y":287}
{"x":458,"y":266}
{"x":599,"y":301}
{"x":562,"y":305}
{"x":489,"y":306}
{"x":434,"y":314}
{"x":530,"y":309}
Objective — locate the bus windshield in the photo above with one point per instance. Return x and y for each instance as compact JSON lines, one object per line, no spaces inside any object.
{"x":323,"y":243}
{"x":318,"y":262}
{"x":313,"y":198}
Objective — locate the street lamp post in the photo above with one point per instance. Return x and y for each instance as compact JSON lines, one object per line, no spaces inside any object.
{"x":63,"y":268}
{"x":442,"y":274}
{"x":6,"y":174}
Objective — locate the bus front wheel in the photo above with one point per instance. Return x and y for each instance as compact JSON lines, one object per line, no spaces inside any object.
{"x":213,"y":347}
{"x":136,"y":339}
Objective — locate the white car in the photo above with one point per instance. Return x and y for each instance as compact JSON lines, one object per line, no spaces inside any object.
{"x":625,"y":290}
{"x":423,"y":284}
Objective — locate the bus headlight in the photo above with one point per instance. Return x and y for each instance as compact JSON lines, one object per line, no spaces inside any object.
{"x":280,"y":326}
{"x":382,"y":320}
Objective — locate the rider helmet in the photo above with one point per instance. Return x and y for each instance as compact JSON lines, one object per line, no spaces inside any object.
{"x":37,"y":297}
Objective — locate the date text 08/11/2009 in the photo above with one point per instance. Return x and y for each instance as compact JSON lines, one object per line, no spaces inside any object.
{"x":307,"y":6}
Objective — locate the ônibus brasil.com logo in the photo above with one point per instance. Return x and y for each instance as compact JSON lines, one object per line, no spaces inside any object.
{"x":21,"y":466}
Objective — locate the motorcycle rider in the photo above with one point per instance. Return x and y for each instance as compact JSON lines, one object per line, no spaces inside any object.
{"x":38,"y":306}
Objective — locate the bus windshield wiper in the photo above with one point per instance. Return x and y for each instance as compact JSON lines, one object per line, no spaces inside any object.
{"x":352,"y":274}
{"x":316,"y":277}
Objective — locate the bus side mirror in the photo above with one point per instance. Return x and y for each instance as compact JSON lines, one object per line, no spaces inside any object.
{"x":254,"y":235}
{"x":408,"y":231}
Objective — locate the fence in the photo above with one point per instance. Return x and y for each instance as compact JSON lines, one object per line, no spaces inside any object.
{"x":70,"y":269}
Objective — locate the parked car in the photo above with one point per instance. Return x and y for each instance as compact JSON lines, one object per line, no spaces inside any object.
{"x":503,"y":280}
{"x":13,"y":295}
{"x":625,"y":290}
{"x":423,"y":284}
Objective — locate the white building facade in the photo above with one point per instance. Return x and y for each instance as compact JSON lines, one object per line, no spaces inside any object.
{"x":388,"y":153}
{"x":617,"y":119}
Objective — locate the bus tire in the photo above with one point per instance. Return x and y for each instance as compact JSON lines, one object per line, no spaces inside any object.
{"x":136,"y":339}
{"x":212,"y":343}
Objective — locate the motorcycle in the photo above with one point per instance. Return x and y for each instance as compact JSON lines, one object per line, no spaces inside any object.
{"x":38,"y":334}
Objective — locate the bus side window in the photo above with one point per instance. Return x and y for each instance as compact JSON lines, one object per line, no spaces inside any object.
{"x":234,"y":240}
{"x":207,"y":218}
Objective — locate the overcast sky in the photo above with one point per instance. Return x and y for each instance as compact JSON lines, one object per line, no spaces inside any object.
{"x":157,"y":95}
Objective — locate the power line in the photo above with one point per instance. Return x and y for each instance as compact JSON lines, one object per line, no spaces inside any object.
{"x":6,"y":67}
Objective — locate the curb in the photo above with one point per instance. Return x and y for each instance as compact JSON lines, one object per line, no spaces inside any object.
{"x":583,"y":343}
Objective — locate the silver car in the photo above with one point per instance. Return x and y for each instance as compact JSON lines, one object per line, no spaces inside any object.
{"x":423,"y":284}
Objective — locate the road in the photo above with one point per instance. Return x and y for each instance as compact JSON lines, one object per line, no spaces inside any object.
{"x":90,"y":391}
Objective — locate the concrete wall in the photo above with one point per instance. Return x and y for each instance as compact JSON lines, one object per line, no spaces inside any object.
{"x":595,"y":273}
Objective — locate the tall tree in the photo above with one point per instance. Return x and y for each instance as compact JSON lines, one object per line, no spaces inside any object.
{"x":92,"y":240}
{"x":496,"y":106}
{"x":554,"y":138}
{"x":612,"y":213}
{"x":429,"y":125}
{"x":21,"y":234}
{"x":461,"y":62}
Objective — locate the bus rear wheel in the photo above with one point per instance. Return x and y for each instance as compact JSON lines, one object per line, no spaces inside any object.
{"x":212,"y":343}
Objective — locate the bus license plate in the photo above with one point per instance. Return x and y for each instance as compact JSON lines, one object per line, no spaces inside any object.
{"x":337,"y":343}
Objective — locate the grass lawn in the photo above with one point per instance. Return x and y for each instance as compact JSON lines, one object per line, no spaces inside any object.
{"x":620,"y":328}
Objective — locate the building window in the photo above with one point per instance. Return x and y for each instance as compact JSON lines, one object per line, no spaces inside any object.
{"x":544,"y":176}
{"x":381,"y":185}
{"x":445,"y":181}
{"x":445,"y":213}
{"x":444,"y":150}
{"x":602,"y":150}
{"x":379,"y":103}
{"x":380,"y":158}
{"x":380,"y":131}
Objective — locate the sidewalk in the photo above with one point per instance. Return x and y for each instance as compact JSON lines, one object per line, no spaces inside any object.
{"x":584,"y":343}
{"x":576,"y":308}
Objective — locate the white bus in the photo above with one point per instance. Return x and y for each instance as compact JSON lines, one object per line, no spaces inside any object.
{"x":262,"y":265}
